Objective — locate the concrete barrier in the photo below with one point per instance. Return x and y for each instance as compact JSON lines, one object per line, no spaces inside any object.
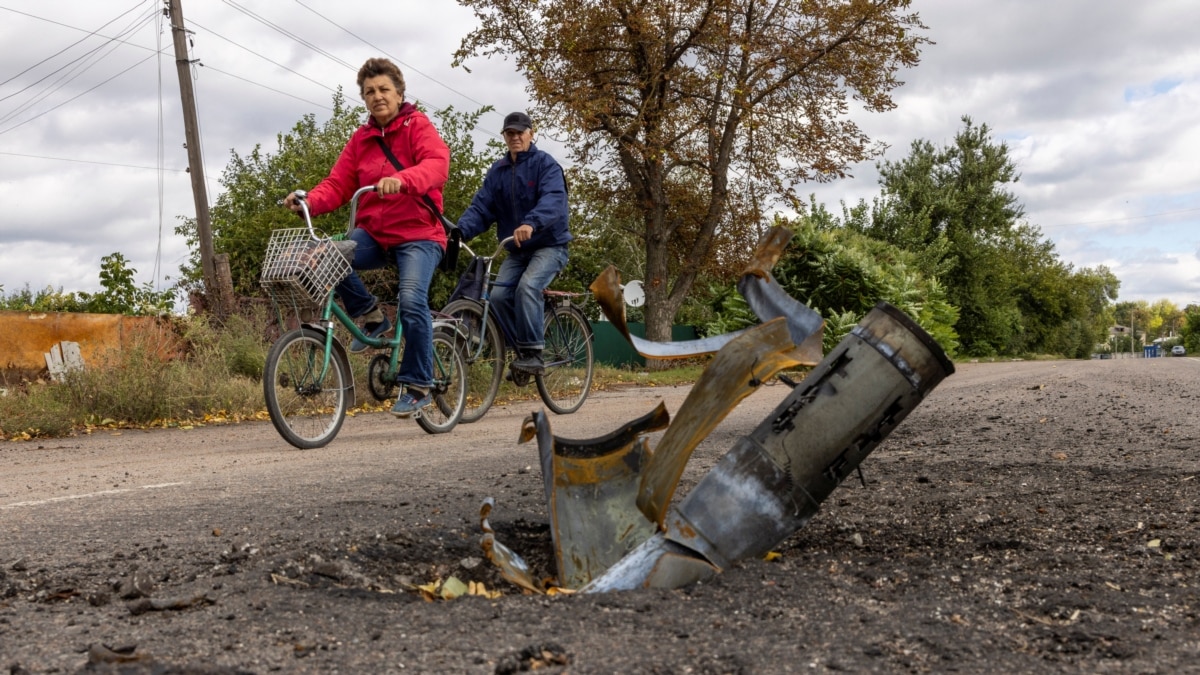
{"x":26,"y":338}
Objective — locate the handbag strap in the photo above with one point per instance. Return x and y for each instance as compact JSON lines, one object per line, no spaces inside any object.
{"x":400,"y":167}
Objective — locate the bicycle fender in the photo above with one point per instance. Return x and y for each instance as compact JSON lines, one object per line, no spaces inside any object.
{"x":339,"y":353}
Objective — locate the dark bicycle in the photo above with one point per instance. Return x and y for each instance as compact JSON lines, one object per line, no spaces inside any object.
{"x":486,"y":342}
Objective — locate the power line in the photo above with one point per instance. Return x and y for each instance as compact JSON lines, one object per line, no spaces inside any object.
{"x":73,"y":98}
{"x":1121,"y":220}
{"x":59,"y":51}
{"x":268,"y":60}
{"x":277,"y":91}
{"x":88,"y":161}
{"x":384,"y":52}
{"x":71,"y":71}
{"x":286,"y":33}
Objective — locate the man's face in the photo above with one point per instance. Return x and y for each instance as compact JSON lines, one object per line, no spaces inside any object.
{"x":518,"y":141}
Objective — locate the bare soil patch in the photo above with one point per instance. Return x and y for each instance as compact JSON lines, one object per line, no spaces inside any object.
{"x":1027,"y":517}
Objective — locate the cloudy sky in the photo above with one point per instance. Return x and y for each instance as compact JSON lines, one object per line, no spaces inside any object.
{"x":1096,"y":99}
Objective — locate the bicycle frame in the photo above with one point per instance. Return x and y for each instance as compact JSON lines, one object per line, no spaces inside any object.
{"x":550,"y":299}
{"x":334,"y":312}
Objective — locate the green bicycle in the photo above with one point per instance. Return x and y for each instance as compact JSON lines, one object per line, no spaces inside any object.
{"x":307,"y":382}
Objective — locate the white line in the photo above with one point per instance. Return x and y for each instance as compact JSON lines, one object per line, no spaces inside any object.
{"x":88,"y":495}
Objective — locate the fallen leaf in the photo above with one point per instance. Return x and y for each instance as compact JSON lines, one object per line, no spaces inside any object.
{"x":453,"y":588}
{"x":772,"y":556}
{"x":1060,"y":456}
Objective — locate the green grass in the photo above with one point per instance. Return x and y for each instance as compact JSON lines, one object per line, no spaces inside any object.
{"x":190,"y":372}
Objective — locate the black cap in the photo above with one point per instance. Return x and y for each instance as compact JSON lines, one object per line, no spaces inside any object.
{"x":518,"y":121}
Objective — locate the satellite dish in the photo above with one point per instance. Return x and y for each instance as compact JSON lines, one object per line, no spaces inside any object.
{"x":635,"y":295}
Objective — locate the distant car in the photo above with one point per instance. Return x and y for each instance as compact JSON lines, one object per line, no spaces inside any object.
{"x":1178,"y":350}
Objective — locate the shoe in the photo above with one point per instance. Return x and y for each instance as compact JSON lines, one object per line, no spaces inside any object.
{"x":409,"y":403}
{"x":530,"y":362}
{"x":373,"y":330}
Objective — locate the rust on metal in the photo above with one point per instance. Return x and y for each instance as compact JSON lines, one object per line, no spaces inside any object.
{"x":774,"y":479}
{"x":606,"y":289}
{"x":735,"y":373}
{"x":512,"y":567}
{"x":763,"y":294}
{"x":591,"y":489}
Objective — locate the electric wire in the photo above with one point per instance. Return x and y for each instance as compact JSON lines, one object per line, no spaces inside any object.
{"x":88,"y":161}
{"x":161,"y":153}
{"x":286,"y":33}
{"x":210,"y":31}
{"x":277,"y":91}
{"x":64,"y":49}
{"x":76,"y":97}
{"x":385,"y":53}
{"x":77,"y":67}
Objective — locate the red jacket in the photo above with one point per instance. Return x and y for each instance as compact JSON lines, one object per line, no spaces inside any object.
{"x":399,"y":218}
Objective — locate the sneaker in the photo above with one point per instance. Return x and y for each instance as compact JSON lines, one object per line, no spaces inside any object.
{"x":409,"y":403}
{"x":373,"y":330}
{"x":530,"y":362}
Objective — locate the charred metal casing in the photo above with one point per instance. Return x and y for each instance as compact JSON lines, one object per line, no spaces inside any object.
{"x":591,"y":489}
{"x":762,"y":292}
{"x":774,"y":480}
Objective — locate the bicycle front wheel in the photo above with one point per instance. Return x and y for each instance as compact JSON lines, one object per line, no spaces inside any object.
{"x":449,"y":386}
{"x":569,"y":361}
{"x":307,"y":401}
{"x":483,"y":349}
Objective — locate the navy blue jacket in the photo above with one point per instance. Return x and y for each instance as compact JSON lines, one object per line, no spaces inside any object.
{"x":530,"y":191}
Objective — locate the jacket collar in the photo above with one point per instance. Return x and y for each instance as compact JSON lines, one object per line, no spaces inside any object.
{"x":521,"y":156}
{"x":406,"y":111}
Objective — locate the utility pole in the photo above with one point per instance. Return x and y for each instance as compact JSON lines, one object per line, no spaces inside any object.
{"x":195,"y":162}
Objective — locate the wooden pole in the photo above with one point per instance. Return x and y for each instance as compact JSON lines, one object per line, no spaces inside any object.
{"x":195,"y":161}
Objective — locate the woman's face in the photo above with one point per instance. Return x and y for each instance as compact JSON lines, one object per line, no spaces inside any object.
{"x":381,"y":97}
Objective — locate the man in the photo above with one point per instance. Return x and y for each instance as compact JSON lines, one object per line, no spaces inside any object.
{"x":525,"y":195}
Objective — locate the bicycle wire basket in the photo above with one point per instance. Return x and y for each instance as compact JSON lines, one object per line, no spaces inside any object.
{"x":299,"y":270}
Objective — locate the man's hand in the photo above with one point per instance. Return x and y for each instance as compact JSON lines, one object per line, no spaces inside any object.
{"x":522,"y":233}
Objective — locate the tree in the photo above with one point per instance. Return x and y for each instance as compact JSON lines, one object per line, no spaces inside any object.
{"x":703,"y":114}
{"x":1190,"y":330}
{"x":120,"y":294}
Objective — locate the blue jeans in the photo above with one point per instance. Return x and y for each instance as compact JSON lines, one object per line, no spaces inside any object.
{"x":517,"y":296}
{"x":416,"y":262}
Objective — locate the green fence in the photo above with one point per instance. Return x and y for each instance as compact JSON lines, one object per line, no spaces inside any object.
{"x":612,"y":349}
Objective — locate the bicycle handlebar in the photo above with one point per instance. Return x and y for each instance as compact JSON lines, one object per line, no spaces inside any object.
{"x":302,"y":200}
{"x":499,"y":248}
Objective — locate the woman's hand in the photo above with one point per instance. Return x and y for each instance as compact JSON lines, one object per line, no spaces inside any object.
{"x":389,"y":186}
{"x":292,"y":202}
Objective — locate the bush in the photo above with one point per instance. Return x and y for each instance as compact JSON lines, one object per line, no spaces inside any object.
{"x":37,"y":409}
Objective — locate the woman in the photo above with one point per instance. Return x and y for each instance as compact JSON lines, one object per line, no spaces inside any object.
{"x":392,"y":225}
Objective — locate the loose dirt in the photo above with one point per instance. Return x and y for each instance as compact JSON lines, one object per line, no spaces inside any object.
{"x":1027,"y":517}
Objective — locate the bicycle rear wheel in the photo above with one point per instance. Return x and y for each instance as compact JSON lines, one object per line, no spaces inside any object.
{"x":569,"y":360}
{"x":482,"y":346}
{"x":449,"y":390}
{"x":306,"y":408}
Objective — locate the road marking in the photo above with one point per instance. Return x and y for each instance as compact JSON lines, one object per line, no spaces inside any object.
{"x":102,"y":493}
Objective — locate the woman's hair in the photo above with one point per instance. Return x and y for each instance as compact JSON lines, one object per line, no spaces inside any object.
{"x":377,"y":67}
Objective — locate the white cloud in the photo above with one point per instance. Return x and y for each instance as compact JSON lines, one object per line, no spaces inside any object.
{"x":1095,"y":99}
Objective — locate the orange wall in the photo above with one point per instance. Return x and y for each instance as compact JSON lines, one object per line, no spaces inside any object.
{"x":25,"y":337}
